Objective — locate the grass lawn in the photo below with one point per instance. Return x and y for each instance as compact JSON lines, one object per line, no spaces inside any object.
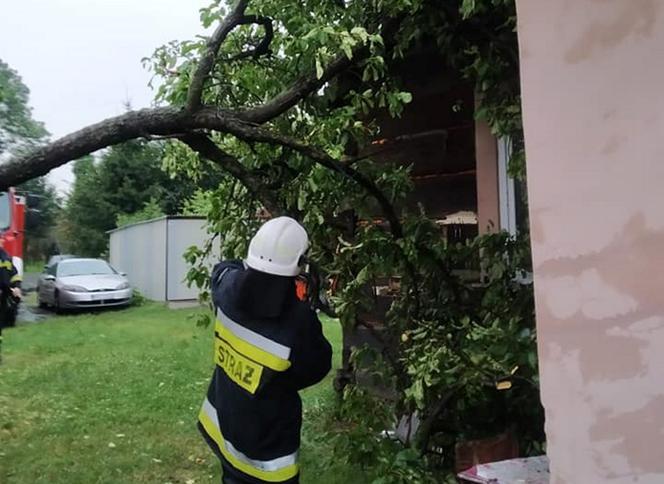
{"x":113,"y":398}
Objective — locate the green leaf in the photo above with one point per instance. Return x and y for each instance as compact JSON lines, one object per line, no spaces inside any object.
{"x":363,"y":276}
{"x":319,"y":68}
{"x":360,"y":33}
{"x":348,"y":50}
{"x":532,"y":359}
{"x":467,"y":8}
{"x":301,"y":200}
{"x":406,"y":97}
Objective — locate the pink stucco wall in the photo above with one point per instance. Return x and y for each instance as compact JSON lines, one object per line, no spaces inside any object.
{"x":486,"y":156}
{"x":593,"y":97}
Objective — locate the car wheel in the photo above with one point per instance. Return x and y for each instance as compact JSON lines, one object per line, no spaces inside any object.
{"x":56,"y":303}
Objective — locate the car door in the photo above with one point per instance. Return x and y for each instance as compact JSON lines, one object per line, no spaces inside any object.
{"x":47,"y":285}
{"x":40,"y":284}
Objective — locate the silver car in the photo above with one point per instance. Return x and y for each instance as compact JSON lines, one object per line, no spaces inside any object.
{"x":82,"y":283}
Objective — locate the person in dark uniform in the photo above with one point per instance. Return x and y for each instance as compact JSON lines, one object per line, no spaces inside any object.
{"x":10,"y":290}
{"x":268,"y":346}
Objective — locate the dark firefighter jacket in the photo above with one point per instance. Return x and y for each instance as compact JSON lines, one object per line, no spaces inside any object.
{"x":9,"y":278}
{"x":252,"y":415}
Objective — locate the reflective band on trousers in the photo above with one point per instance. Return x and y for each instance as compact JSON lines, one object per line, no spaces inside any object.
{"x":275,"y":470}
{"x":256,"y":346}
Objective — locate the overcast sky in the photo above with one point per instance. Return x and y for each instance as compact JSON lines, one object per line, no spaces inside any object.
{"x":81,"y":59}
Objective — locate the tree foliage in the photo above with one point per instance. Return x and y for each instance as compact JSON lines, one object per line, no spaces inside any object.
{"x":461,"y":354}
{"x":43,"y":209}
{"x":150,"y":211}
{"x":281,"y":101}
{"x":19,"y":132}
{"x":85,"y":216}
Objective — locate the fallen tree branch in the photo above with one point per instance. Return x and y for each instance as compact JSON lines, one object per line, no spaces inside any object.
{"x":301,"y":88}
{"x":248,"y":132}
{"x":207,"y":148}
{"x":209,"y":57}
{"x":310,"y":83}
{"x":423,"y":434}
{"x":128,"y":126}
{"x":168,"y":121}
{"x":263,"y":47}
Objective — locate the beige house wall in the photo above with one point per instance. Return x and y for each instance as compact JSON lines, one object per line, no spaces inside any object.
{"x":593,"y":97}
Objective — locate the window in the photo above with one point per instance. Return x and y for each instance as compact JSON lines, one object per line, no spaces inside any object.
{"x":83,"y":268}
{"x":5,"y":214}
{"x":506,"y":188}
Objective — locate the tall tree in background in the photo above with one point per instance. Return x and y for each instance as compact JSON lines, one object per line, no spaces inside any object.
{"x":82,"y":222}
{"x":126,"y":184}
{"x":19,"y":132}
{"x":40,"y":218}
{"x":131,"y":175}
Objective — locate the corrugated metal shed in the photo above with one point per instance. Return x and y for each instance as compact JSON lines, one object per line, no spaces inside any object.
{"x":151,"y":253}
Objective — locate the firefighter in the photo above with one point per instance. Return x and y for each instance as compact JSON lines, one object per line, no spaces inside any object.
{"x":10,"y":290}
{"x":268,"y":345}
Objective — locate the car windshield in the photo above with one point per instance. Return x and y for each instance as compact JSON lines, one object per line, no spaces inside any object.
{"x":83,"y":268}
{"x":4,"y":211}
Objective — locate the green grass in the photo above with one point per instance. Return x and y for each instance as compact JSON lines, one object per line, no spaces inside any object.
{"x":113,"y":398}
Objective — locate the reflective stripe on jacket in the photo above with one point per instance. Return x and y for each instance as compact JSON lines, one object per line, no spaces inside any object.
{"x":275,"y":470}
{"x":9,"y":276}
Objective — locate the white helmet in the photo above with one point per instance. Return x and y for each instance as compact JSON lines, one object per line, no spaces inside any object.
{"x":277,"y":247}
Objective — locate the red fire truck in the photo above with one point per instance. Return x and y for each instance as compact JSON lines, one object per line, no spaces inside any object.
{"x":12,"y":225}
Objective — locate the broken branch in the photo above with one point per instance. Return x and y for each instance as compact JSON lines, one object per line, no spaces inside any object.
{"x":263,"y":47}
{"x":256,"y":133}
{"x":207,"y":148}
{"x":209,"y":57}
{"x":128,"y":126}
